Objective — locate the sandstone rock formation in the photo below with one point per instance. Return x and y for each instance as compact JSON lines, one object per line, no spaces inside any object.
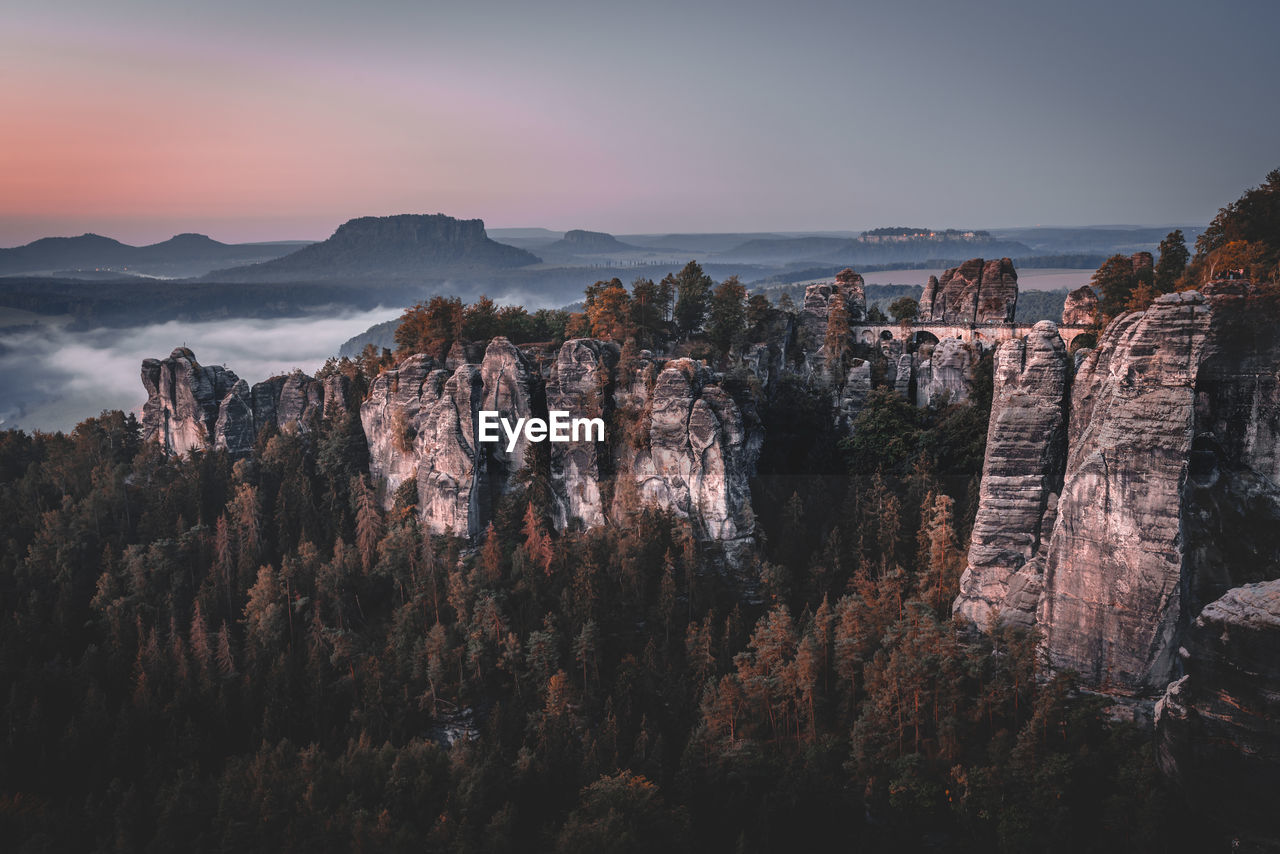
{"x":946,"y":371}
{"x":1170,"y":493}
{"x":681,"y":441}
{"x":1080,"y":308}
{"x":977,"y":291}
{"x":1111,"y":603}
{"x":581,"y":383}
{"x":819,"y":299}
{"x":699,"y":456}
{"x":1026,"y":449}
{"x":195,"y":407}
{"x":183,"y":399}
{"x":853,"y":396}
{"x":1218,"y":727}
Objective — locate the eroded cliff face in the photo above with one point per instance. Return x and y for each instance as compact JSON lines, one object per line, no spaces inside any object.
{"x":945,"y":373}
{"x":699,"y":458}
{"x":675,"y":439}
{"x":977,"y":291}
{"x":1080,"y":307}
{"x":196,"y":407}
{"x":581,"y":383}
{"x":1218,"y":727}
{"x":1112,"y":594}
{"x":1170,"y":490}
{"x":847,"y":290}
{"x":421,"y":422}
{"x":1022,"y":472}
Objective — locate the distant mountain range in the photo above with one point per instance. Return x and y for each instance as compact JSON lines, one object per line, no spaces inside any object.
{"x":408,"y":247}
{"x":180,"y":256}
{"x":874,"y":249}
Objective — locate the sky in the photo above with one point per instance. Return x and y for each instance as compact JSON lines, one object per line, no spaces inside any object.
{"x":246,"y":120}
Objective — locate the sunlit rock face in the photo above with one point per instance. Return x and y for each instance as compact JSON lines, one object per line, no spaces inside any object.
{"x":195,"y":407}
{"x":1026,"y":452}
{"x":581,"y":383}
{"x":392,"y":419}
{"x":699,"y":457}
{"x":183,"y":398}
{"x":678,"y":440}
{"x":1112,"y":599}
{"x":977,"y":291}
{"x":1170,"y":493}
{"x":513,"y":389}
{"x":1080,"y":307}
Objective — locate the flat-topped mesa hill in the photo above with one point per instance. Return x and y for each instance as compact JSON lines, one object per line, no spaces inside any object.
{"x":582,"y":242}
{"x":407,"y":246}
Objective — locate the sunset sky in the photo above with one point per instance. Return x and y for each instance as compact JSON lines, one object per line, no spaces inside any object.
{"x":266,"y":121}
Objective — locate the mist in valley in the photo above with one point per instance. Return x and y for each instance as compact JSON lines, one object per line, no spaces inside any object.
{"x":51,"y":377}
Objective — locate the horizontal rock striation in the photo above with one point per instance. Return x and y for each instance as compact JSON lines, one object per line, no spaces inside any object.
{"x":1022,"y":471}
{"x":1170,"y":494}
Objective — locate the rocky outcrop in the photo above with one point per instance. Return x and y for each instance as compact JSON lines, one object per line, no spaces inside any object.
{"x":581,"y":384}
{"x":420,"y":423}
{"x":945,"y":373}
{"x":195,"y":407}
{"x":1170,"y":494}
{"x":679,"y":440}
{"x":853,"y":396}
{"x":513,"y":389}
{"x":393,"y":418}
{"x":1218,"y":727}
{"x":1022,"y":471}
{"x":847,"y":290}
{"x":977,"y":291}
{"x":1112,"y":591}
{"x":699,"y":456}
{"x":183,"y":400}
{"x":1080,"y":308}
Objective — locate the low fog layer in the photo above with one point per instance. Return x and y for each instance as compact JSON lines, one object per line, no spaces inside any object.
{"x":52,"y":378}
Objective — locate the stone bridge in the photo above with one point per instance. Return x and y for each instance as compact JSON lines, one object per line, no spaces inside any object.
{"x":985,"y":335}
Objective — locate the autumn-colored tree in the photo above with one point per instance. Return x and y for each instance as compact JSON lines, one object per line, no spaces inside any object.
{"x":430,"y":328}
{"x":368,"y":521}
{"x":608,"y":308}
{"x":838,"y":341}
